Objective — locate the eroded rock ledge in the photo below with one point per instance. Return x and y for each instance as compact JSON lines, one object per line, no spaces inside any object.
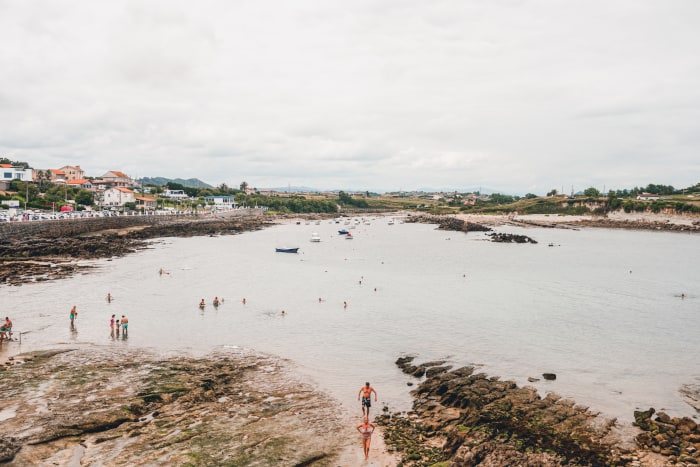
{"x":449,"y":223}
{"x":463,"y":418}
{"x":102,"y":407}
{"x":43,"y":251}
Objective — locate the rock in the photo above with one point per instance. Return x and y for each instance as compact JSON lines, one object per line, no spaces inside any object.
{"x":549,"y":376}
{"x":8,"y":448}
{"x":532,"y":380}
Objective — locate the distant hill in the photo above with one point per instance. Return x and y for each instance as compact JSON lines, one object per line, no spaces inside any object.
{"x":161,"y":181}
{"x":297,"y":189}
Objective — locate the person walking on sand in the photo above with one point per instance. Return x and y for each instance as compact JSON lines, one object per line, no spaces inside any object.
{"x":109,"y":297}
{"x":111,"y":326}
{"x":366,"y":394}
{"x":366,"y":429}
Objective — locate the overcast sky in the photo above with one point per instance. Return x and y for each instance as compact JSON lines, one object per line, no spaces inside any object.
{"x":380,"y":95}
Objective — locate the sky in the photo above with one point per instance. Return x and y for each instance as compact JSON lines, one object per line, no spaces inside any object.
{"x":513,"y":96}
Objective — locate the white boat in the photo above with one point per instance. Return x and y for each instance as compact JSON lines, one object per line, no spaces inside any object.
{"x":391,"y":222}
{"x":315,"y":237}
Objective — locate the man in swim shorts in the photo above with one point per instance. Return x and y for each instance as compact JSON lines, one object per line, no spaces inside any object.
{"x":366,"y":394}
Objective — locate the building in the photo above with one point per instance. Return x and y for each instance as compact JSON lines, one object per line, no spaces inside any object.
{"x":114,"y":178}
{"x":648,"y":197}
{"x":221,"y":201}
{"x":117,"y":196}
{"x":8,"y":173}
{"x":72,"y":172}
{"x":81,"y":183}
{"x":174,"y":194}
{"x":145,"y":204}
{"x":58,"y":176}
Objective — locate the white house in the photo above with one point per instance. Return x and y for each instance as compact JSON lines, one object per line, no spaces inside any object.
{"x":9,"y":173}
{"x":117,"y":196}
{"x":648,"y":197}
{"x":174,"y":194}
{"x":221,"y":201}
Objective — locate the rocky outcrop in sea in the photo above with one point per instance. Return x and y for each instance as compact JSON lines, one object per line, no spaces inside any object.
{"x":464,"y":418}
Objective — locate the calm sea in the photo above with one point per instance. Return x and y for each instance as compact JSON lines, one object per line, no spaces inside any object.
{"x":600,"y":308}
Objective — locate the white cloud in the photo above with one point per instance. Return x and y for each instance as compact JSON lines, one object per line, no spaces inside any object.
{"x":513,"y":95}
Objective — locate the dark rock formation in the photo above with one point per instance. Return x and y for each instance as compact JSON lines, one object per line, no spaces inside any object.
{"x":501,"y":237}
{"x":449,"y":223}
{"x":48,"y":250}
{"x":470,"y":419}
{"x":677,"y":438}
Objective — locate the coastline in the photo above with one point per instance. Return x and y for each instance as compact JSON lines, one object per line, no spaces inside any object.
{"x":356,"y":448}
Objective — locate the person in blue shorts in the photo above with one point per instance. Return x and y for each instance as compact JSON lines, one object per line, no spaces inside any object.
{"x":366,"y":394}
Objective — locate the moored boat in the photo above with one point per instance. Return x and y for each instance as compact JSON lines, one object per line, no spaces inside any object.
{"x":343,"y":232}
{"x":287,"y":250}
{"x":315,"y":237}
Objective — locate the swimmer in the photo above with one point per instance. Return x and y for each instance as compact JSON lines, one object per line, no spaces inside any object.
{"x":216,"y":301}
{"x":109,"y":297}
{"x":244,"y":301}
{"x":345,"y":304}
{"x":202,"y":304}
{"x":283,"y":313}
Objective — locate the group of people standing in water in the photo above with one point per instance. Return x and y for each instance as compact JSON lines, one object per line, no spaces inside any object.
{"x":116,"y":326}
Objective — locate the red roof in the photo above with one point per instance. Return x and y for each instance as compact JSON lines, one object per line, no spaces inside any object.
{"x":6,"y":166}
{"x":119,"y":174}
{"x":123,"y":190}
{"x":78,"y":181}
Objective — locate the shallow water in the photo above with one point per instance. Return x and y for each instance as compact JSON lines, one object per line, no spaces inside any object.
{"x":601,"y":308}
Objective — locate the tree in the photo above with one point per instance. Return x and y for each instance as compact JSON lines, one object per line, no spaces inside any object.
{"x":85,"y":198}
{"x":554,"y":192}
{"x":530,"y":196}
{"x":591,"y":192}
{"x":244,"y":186}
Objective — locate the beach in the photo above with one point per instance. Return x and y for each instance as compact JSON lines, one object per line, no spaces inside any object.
{"x":271,"y":321}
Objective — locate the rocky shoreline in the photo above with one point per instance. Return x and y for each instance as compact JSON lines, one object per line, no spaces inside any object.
{"x":463,"y":418}
{"x":60,"y":250}
{"x":106,"y":407}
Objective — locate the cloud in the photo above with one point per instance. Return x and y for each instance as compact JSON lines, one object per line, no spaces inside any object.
{"x":369,"y":95}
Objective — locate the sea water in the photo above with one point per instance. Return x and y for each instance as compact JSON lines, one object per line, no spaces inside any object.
{"x":602,"y":309}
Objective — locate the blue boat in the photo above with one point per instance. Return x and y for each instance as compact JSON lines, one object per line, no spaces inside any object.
{"x":287,"y":250}
{"x":343,"y":232}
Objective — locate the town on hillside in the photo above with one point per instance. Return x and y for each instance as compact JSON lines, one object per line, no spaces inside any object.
{"x":27,"y":193}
